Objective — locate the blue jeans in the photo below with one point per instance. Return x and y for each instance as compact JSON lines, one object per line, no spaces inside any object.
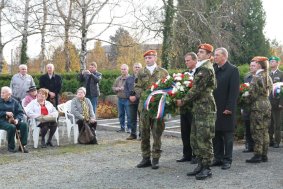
{"x":133,"y":108}
{"x":93,"y":101}
{"x":123,"y":109}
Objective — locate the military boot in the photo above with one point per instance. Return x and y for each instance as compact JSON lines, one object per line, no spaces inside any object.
{"x":255,"y":159}
{"x":204,"y":173}
{"x":196,"y":170}
{"x":264,"y":158}
{"x":155,"y":163}
{"x":144,"y":163}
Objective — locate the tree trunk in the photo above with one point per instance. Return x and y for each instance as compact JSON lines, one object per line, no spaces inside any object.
{"x":24,"y":57}
{"x":43,"y":31}
{"x":83,"y":39}
{"x":1,"y":45}
{"x":168,"y":35}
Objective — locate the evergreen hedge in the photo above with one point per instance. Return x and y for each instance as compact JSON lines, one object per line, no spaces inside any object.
{"x":71,"y":82}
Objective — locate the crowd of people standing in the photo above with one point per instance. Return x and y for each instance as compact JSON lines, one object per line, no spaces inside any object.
{"x":208,"y":111}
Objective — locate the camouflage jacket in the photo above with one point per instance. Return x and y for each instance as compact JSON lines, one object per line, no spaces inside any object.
{"x":201,"y":92}
{"x":145,"y":80}
{"x":260,"y":88}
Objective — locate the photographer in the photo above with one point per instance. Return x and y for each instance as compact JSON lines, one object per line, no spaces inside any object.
{"x":133,"y":106}
{"x":91,"y":79}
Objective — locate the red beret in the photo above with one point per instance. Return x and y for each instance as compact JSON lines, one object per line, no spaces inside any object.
{"x":206,"y":46}
{"x":150,"y":53}
{"x":259,"y":59}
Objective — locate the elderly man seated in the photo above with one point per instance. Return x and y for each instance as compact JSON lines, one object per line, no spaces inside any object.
{"x":11,"y":108}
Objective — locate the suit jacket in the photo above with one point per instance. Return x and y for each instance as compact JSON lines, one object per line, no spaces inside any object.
{"x":226,"y":94}
{"x":277,"y":76}
{"x":54,"y":85}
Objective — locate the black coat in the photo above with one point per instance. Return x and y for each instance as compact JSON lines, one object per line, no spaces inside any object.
{"x":226,"y":94}
{"x":54,"y":85}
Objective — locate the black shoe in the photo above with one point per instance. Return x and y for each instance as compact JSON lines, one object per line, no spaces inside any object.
{"x":43,"y":144}
{"x":132,"y":137}
{"x":155,"y":163}
{"x":264,"y":158}
{"x":226,"y":165}
{"x":205,"y":173}
{"x":144,"y":163}
{"x":25,"y":150}
{"x":183,"y":159}
{"x":49,"y":144}
{"x":271,"y":144}
{"x":275,"y":145}
{"x":94,"y":141}
{"x":194,"y":160}
{"x":216,"y":163}
{"x":254,"y":159}
{"x":120,"y":131}
{"x":196,"y":170}
{"x":12,"y":150}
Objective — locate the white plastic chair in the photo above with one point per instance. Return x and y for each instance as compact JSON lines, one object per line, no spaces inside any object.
{"x":69,"y":120}
{"x":3,"y":135}
{"x":36,"y":131}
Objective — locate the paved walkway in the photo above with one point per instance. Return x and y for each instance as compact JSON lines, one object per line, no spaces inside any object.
{"x":172,"y":125}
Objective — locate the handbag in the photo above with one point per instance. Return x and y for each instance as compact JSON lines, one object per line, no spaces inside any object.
{"x":46,"y":118}
{"x":87,"y":134}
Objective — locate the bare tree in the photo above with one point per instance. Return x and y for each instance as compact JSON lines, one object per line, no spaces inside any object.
{"x":66,"y":17}
{"x":88,"y":11}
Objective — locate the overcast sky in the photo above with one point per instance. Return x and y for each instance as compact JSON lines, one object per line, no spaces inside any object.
{"x":274,"y":15}
{"x":273,"y":28}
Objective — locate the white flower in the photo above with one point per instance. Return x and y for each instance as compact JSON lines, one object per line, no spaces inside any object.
{"x":178,"y":84}
{"x":246,"y":94}
{"x":182,"y":88}
{"x":187,"y":83}
{"x":168,"y":77}
{"x":178,"y":78}
{"x":174,"y":90}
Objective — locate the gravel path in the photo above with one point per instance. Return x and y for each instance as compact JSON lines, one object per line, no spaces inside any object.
{"x":111,"y":164}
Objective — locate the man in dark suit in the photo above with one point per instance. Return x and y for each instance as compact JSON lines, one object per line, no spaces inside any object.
{"x":187,"y":116}
{"x":53,"y":83}
{"x":249,"y":147}
{"x":276,"y":104}
{"x":226,"y":94}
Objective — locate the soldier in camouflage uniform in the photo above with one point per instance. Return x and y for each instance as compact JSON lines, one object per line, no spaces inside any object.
{"x":260,"y":88}
{"x":150,"y":74}
{"x":204,"y":112}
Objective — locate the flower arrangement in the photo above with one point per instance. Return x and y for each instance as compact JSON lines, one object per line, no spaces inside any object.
{"x":244,"y":89}
{"x":277,"y":90}
{"x":161,"y":96}
{"x":244,"y":92}
{"x":183,"y":83}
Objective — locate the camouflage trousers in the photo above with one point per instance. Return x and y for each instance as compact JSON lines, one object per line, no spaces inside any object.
{"x":202,"y":132}
{"x":156,"y":126}
{"x":260,"y":121}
